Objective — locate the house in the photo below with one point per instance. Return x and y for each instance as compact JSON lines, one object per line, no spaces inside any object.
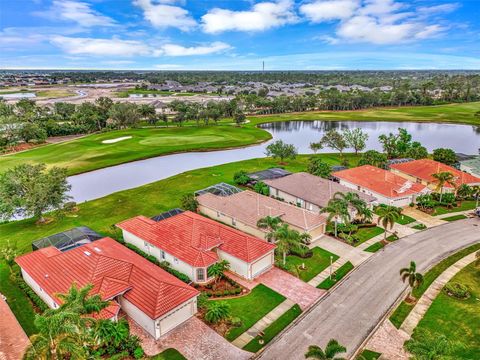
{"x":421,"y":172}
{"x":243,"y":210}
{"x":309,"y":191}
{"x":154,"y":299}
{"x":191,"y":243}
{"x":387,"y":187}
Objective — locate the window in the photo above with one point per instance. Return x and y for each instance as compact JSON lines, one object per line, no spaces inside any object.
{"x":175,"y":260}
{"x":234,"y":222}
{"x":162,"y":254}
{"x":218,"y":213}
{"x":358,"y":188}
{"x":145,"y":244}
{"x":201,"y":274}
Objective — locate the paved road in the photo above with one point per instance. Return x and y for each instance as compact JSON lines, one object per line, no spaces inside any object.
{"x":356,"y":306}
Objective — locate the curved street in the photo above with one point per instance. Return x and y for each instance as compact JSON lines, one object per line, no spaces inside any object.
{"x":352,"y":311}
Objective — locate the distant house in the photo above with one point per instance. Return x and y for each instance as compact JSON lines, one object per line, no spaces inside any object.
{"x":154,"y":299}
{"x":309,"y":191}
{"x":191,"y":243}
{"x":243,"y":210}
{"x":387,"y":187}
{"x":421,"y":172}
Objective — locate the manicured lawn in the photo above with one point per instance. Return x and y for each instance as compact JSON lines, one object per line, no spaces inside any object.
{"x":341,"y":272}
{"x":368,"y":355}
{"x":17,"y":301}
{"x":251,"y":308}
{"x":169,"y":354}
{"x":313,"y":265}
{"x":466,"y":205}
{"x":276,"y":327}
{"x":392,"y":237}
{"x":454,"y":218}
{"x":457,"y":319}
{"x":404,"y":309}
{"x":419,"y":227}
{"x":375,"y":247}
{"x":405,"y":219}
{"x":366,"y":233}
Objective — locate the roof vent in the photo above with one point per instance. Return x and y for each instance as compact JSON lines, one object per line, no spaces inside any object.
{"x":46,"y":275}
{"x":97,"y":249}
{"x":88,"y":253}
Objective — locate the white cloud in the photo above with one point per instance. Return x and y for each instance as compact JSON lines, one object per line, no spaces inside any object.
{"x":325,"y":10}
{"x":162,"y":15}
{"x":262,"y":16}
{"x":178,"y":50}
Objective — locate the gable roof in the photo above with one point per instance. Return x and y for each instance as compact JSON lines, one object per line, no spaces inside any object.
{"x":192,"y":238}
{"x":113,"y":269}
{"x":380,"y":181}
{"x":311,"y":188}
{"x":425,"y":168}
{"x":249,"y":207}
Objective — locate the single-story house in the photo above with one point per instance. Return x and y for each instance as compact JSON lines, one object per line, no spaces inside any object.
{"x":153,"y":298}
{"x":387,"y":187}
{"x":421,"y":171}
{"x":243,"y":210}
{"x":191,"y":243}
{"x":309,"y":191}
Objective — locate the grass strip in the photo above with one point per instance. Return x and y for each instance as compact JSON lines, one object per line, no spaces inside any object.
{"x":169,"y":354}
{"x":454,"y":218}
{"x":375,"y":247}
{"x":340,"y":273}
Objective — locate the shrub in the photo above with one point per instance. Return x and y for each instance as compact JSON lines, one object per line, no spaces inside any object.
{"x":241,"y":177}
{"x":32,"y":295}
{"x":236,"y":322}
{"x":69,"y":206}
{"x":261,"y":188}
{"x":189,"y":202}
{"x":217,"y":311}
{"x":457,"y":290}
{"x":138,"y":353}
{"x":319,"y":168}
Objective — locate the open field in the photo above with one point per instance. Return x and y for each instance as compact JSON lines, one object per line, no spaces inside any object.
{"x":126,"y":93}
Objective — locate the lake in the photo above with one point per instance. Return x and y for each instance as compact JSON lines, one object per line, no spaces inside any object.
{"x":102,"y":182}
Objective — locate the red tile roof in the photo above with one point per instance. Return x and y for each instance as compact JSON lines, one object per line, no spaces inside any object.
{"x":380,"y":181}
{"x":113,"y":269}
{"x":192,"y":238}
{"x":425,"y":168}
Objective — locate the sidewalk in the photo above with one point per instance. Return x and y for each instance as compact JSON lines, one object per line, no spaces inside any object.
{"x":346,"y":252}
{"x":262,"y":324}
{"x":317,"y":280}
{"x":421,"y":307}
{"x":427,"y":220}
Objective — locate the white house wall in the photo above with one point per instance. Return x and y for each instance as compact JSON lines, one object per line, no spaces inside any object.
{"x":177,"y":316}
{"x":142,"y":319}
{"x":262,"y":265}
{"x":236,"y":265}
{"x":38,"y":290}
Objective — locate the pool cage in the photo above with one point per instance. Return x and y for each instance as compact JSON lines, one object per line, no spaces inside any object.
{"x":167,"y":214}
{"x":221,"y":189}
{"x":268,"y":174}
{"x":69,"y":239}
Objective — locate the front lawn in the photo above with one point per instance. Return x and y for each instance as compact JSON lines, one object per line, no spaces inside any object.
{"x":419,"y":227}
{"x":457,"y":319}
{"x":375,"y":247}
{"x":169,"y":354}
{"x":276,"y":327}
{"x":339,"y":274}
{"x":251,"y":308}
{"x":313,"y":265}
{"x":405,"y":219}
{"x":454,"y":218}
{"x":464,"y":206}
{"x":366,"y":233}
{"x":368,"y":355}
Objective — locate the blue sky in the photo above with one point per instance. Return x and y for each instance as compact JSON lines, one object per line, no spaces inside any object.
{"x":239,"y":35}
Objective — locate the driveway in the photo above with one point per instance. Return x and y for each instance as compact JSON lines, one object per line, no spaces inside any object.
{"x":352,"y":311}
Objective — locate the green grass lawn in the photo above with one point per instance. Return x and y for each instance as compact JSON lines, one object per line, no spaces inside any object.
{"x":402,"y":311}
{"x":375,"y":247}
{"x":454,"y":218}
{"x":464,"y":206}
{"x":276,"y":327}
{"x":341,"y":272}
{"x":169,"y":354}
{"x":405,"y":219}
{"x":419,"y":227}
{"x":313,"y":265}
{"x":366,"y":233}
{"x":368,"y":355}
{"x":251,"y":308}
{"x":458,"y":320}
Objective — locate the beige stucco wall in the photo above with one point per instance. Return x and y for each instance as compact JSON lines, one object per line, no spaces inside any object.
{"x":137,"y":315}
{"x":177,"y":316}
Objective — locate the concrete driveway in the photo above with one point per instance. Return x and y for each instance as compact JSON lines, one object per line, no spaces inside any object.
{"x":352,"y":311}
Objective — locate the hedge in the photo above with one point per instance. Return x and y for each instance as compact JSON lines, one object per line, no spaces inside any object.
{"x":32,"y":295}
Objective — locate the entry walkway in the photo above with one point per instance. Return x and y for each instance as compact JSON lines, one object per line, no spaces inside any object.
{"x":427,"y":220}
{"x":346,"y":252}
{"x":421,"y":307}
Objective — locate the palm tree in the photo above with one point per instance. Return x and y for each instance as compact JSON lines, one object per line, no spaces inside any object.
{"x":287,"y":240}
{"x":271,"y":223}
{"x":476,"y":193}
{"x":331,"y":351}
{"x":352,"y":199}
{"x":464,"y":192}
{"x":387,"y":215}
{"x":337,"y":210}
{"x":218,"y":269}
{"x":107,"y":331}
{"x":79,"y":300}
{"x":216,"y":311}
{"x":414,"y":279}
{"x":444,"y":178}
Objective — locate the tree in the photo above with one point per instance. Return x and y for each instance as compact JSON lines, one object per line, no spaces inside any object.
{"x":217,"y":311}
{"x":374,"y":158}
{"x":387,"y":215}
{"x":427,"y":346}
{"x":189,"y":202}
{"x":287,"y":240}
{"x":315,"y":147}
{"x":356,"y":139}
{"x":444,"y":178}
{"x":396,"y":145}
{"x":337,"y":210}
{"x":445,"y":156}
{"x":270,"y":223}
{"x":261,"y":188}
{"x":416,"y":151}
{"x":334,"y":140}
{"x":79,"y":300}
{"x":464,"y":192}
{"x":111,"y":333}
{"x":30,"y":190}
{"x":32,"y":131}
{"x":241,"y":177}
{"x":281,"y":150}
{"x":146,"y":111}
{"x":331,"y":351}
{"x":410,"y":274}
{"x":218,"y":269}
{"x":124,"y":114}
{"x":319,"y":168}
{"x":352,"y":201}
{"x":239,"y":117}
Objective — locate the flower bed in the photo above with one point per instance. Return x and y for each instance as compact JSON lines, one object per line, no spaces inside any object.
{"x":224,"y":287}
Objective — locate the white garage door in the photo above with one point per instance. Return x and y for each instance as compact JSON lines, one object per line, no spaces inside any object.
{"x":262,"y":265}
{"x":176,"y":318}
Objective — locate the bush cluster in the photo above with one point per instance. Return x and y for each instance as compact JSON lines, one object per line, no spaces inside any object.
{"x":457,"y":290}
{"x":32,"y":295}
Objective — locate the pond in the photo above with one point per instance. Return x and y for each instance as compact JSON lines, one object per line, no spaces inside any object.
{"x":102,"y":182}
{"x":19,"y":95}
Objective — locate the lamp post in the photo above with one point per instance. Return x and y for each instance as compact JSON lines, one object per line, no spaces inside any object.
{"x":331,"y":263}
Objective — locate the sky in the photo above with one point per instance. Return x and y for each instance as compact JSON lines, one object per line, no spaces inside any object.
{"x":240,"y":35}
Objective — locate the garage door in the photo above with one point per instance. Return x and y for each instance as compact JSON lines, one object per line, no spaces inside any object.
{"x":262,"y":265}
{"x":176,"y":318}
{"x":317,"y":232}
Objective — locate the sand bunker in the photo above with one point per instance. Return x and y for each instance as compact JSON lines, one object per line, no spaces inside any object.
{"x":112,"y":141}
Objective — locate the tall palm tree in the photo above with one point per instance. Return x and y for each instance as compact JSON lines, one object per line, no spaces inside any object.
{"x":337,"y":210}
{"x":270,"y":223}
{"x":287,"y":240}
{"x":331,"y":351}
{"x":476,"y":193}
{"x":387,"y":215}
{"x":79,"y":300}
{"x":444,"y":178}
{"x":352,"y":199}
{"x":411,"y":275}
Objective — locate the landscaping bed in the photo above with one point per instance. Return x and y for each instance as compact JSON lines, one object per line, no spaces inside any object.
{"x":314,"y":265}
{"x":375,"y":247}
{"x":464,"y":206}
{"x":224,"y":287}
{"x":336,"y":276}
{"x":359,"y":233}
